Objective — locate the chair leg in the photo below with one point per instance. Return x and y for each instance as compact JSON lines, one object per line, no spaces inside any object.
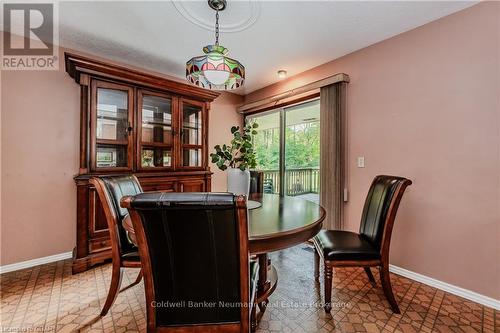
{"x":137,"y":280}
{"x":116,"y":279}
{"x":316,"y":266}
{"x":253,"y":318}
{"x":328,"y":286}
{"x":369,"y":273}
{"x":139,"y":277}
{"x":386,"y":286}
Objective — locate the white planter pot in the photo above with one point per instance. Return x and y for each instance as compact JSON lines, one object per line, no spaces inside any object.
{"x":238,"y":182}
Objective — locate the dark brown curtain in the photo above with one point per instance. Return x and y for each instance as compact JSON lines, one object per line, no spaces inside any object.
{"x":333,"y":153}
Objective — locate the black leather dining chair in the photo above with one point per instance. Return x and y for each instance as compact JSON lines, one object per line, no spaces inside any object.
{"x":124,"y":253}
{"x":256,"y":184}
{"x":369,"y":247}
{"x":195,"y":256}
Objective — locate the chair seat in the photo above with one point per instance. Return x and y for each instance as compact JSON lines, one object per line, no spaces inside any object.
{"x":345,"y":245}
{"x":131,"y":256}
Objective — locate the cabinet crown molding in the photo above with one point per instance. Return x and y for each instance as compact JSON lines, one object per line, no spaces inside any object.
{"x":77,"y":65}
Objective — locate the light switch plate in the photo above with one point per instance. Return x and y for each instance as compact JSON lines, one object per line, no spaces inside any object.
{"x":361,"y":162}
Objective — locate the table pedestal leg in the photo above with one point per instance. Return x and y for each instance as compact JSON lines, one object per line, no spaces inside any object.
{"x":268,"y":280}
{"x":263,"y":283}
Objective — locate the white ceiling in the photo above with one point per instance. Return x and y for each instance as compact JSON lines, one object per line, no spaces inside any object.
{"x":270,"y":35}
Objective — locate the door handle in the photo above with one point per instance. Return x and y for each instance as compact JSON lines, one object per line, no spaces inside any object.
{"x":129,"y":128}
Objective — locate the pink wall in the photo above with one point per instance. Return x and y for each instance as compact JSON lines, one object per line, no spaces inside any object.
{"x":222,"y":118}
{"x":39,"y":147}
{"x":425,"y":105}
{"x":39,"y":158}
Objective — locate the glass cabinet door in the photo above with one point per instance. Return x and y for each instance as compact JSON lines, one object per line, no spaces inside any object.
{"x":156,"y":132}
{"x":111,"y":126}
{"x":192,"y":136}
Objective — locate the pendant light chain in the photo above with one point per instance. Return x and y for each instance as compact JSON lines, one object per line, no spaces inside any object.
{"x":217,"y":27}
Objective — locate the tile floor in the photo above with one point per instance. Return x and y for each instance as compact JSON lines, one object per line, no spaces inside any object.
{"x":48,"y":298}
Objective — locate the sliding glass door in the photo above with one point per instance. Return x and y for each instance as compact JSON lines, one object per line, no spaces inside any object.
{"x":268,"y":148}
{"x":302,"y":150}
{"x":287,"y":146}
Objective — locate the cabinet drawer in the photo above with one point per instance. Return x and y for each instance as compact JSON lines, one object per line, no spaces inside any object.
{"x":192,"y":185}
{"x":98,"y":245}
{"x":159,"y":186}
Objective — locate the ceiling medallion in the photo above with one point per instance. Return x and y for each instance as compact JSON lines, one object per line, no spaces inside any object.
{"x":214,"y":70}
{"x":251,"y":14}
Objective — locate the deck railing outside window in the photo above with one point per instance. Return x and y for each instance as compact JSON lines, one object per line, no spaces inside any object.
{"x":297,"y":181}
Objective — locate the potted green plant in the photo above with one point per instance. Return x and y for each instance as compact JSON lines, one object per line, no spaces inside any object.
{"x":237,"y":157}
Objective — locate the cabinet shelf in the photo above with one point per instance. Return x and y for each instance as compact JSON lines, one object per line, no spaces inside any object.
{"x":112,"y":142}
{"x":156,"y":144}
{"x":158,"y":123}
{"x":110,"y":117}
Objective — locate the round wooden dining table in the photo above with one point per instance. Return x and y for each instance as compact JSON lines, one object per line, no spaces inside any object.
{"x":279,"y":222}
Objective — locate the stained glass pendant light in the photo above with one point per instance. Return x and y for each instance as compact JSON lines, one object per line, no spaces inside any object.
{"x":214,"y":70}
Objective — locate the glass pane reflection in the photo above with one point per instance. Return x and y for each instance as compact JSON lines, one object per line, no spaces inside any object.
{"x":192,"y":157}
{"x":157,"y":119}
{"x":156,"y":157}
{"x":110,"y":156}
{"x":191,"y":125}
{"x":112,"y":114}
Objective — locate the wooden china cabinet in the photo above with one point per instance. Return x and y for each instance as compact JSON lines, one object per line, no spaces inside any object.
{"x":134,"y":123}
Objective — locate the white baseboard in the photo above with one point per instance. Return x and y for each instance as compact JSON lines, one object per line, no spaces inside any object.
{"x":34,"y":262}
{"x":468,"y":294}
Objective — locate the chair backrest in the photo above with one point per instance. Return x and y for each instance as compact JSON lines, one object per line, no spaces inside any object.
{"x":111,"y":189}
{"x":256,"y":184}
{"x":194,"y":255}
{"x":380,"y":209}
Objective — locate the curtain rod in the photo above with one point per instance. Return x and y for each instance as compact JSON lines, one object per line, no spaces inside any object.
{"x":340,"y":77}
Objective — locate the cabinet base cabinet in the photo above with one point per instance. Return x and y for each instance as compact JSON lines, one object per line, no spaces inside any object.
{"x":90,"y":260}
{"x":93,"y":245}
